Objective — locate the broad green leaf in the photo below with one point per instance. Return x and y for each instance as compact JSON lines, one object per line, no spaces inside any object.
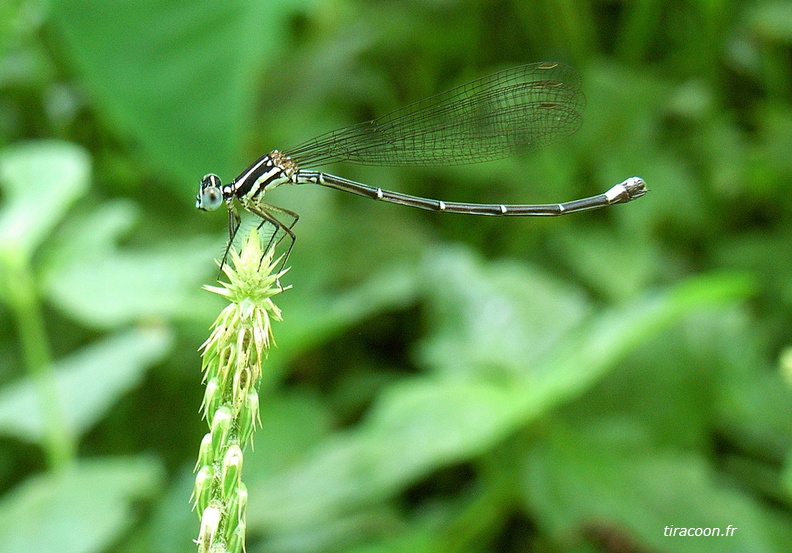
{"x":420,"y":425}
{"x":485,"y":316}
{"x":94,"y":281}
{"x":84,"y":509}
{"x":40,"y":181}
{"x":179,"y":78}
{"x":575,"y":481}
{"x":89,"y":382}
{"x":618,"y":269}
{"x":583,"y":360}
{"x":772,"y":21}
{"x":87,"y":236}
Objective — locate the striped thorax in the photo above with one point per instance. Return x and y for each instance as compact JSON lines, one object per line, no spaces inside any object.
{"x":268,"y":172}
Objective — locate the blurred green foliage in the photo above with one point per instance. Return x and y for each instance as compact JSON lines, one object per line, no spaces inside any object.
{"x":442,"y":383}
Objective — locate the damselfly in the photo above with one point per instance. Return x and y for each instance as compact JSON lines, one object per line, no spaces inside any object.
{"x":508,"y":113}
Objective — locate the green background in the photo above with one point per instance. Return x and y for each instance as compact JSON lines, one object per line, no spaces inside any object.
{"x":441,"y":382}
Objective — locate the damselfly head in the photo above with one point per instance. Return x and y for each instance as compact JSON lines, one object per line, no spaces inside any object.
{"x":210,"y":197}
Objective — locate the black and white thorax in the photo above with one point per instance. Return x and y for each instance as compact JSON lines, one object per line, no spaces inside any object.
{"x":267,"y":173}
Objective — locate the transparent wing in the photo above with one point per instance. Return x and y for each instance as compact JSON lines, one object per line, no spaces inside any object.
{"x":506,"y":114}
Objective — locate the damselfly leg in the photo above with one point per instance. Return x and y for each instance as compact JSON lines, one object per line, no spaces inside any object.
{"x":281,"y":231}
{"x":264,"y":212}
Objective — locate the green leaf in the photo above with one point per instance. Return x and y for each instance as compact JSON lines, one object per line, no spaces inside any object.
{"x":585,"y":358}
{"x":772,"y":21}
{"x":421,"y":425}
{"x":178,"y":77}
{"x":84,"y":509}
{"x":89,"y":382}
{"x":40,"y":181}
{"x":95,"y":282}
{"x":618,"y":269}
{"x":485,"y":316}
{"x":576,"y":480}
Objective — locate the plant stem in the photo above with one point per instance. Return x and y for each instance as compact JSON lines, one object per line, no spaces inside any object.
{"x":232,"y":365}
{"x":23,"y":300}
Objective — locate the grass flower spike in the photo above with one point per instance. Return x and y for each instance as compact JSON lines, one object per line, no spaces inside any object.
{"x":232,"y":364}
